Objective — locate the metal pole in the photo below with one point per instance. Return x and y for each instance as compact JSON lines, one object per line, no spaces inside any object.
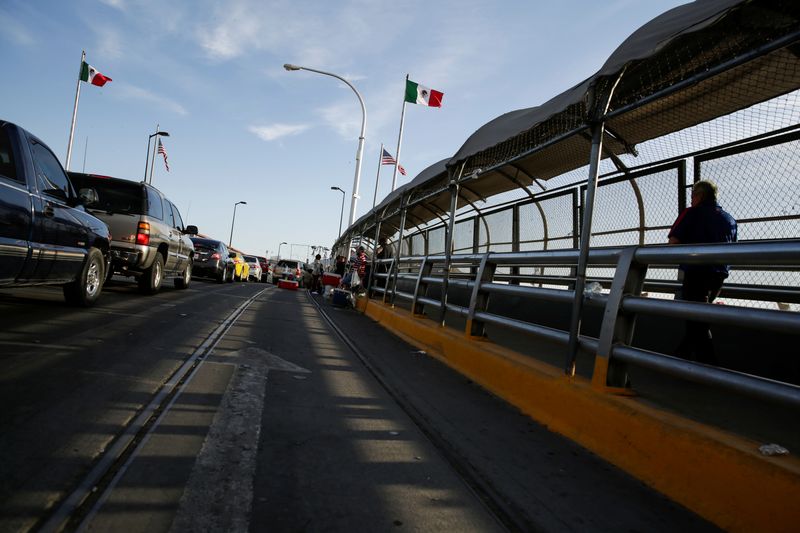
{"x":361,"y":137}
{"x":377,"y":177}
{"x":586,"y":229}
{"x":399,"y":138}
{"x":454,"y":187}
{"x":396,"y":263}
{"x":233,"y":222}
{"x":147,"y":159}
{"x":153,"y":160}
{"x":85,"y":149}
{"x":75,"y":111}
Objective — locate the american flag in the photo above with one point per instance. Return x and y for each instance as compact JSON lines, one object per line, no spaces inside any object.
{"x":163,"y":151}
{"x":387,"y":159}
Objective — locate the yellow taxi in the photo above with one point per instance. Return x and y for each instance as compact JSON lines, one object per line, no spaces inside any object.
{"x":242,"y":269}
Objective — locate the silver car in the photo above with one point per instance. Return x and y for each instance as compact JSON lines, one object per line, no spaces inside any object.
{"x":149,"y":239}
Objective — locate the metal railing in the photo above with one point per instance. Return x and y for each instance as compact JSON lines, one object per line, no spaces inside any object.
{"x":621,"y":304}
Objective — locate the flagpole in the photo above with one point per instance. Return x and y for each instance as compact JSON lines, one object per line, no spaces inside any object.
{"x":153,"y":159}
{"x":85,"y":149}
{"x":75,"y":111}
{"x":380,"y":161}
{"x":399,"y":137}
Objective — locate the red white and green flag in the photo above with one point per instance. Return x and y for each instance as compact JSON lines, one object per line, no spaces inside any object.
{"x":89,"y":74}
{"x":419,"y":94}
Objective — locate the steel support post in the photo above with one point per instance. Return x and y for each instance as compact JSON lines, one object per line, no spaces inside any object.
{"x":479,"y":301}
{"x":421,"y":286}
{"x":448,"y":250}
{"x":396,"y":263}
{"x":583,"y":257}
{"x":618,"y":326}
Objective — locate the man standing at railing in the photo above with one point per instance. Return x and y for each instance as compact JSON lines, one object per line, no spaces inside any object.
{"x":704,"y":222}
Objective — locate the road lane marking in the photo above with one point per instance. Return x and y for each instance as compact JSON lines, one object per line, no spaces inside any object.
{"x":219,"y":493}
{"x":126,"y":446}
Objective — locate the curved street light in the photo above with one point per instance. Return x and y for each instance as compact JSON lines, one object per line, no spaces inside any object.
{"x":279,"y":249}
{"x":289,"y":67}
{"x":147,"y":160}
{"x":341,"y":215}
{"x":230,"y":241}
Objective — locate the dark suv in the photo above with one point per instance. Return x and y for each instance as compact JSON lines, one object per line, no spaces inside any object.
{"x":46,"y":236}
{"x":150,"y":241}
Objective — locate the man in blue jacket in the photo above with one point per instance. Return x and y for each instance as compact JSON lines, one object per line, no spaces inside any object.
{"x":704,"y":222}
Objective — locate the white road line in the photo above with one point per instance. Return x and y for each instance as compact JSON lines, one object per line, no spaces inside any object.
{"x":88,"y":485}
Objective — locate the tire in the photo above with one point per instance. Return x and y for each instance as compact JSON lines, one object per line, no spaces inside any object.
{"x":85,"y":290}
{"x":183,"y":281}
{"x":221,"y":276}
{"x":230,"y":277}
{"x":151,"y":279}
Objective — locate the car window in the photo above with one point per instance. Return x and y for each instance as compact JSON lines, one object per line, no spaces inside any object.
{"x":7,"y":167}
{"x":168,"y":216}
{"x":177,"y":216}
{"x":50,"y":177}
{"x":155,"y":208}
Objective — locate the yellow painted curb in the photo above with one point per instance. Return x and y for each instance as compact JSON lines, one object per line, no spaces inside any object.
{"x":718,"y":475}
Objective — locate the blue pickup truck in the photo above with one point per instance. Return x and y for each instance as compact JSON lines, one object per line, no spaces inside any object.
{"x":46,"y":236}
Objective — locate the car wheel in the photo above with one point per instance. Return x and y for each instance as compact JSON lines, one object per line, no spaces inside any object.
{"x":230,"y":277}
{"x":221,"y":276}
{"x":150,"y":280}
{"x":85,"y":290}
{"x":183,"y":281}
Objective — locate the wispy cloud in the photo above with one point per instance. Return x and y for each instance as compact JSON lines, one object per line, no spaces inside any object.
{"x":277,"y":131}
{"x":131,"y":92}
{"x":118,"y":4}
{"x":14,"y":31}
{"x":109,"y":43}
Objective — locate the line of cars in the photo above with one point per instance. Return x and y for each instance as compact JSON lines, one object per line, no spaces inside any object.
{"x":213,"y":259}
{"x":77,"y":230}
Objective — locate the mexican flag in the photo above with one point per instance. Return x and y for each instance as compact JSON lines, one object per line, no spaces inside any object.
{"x":89,"y":74}
{"x":419,"y":94}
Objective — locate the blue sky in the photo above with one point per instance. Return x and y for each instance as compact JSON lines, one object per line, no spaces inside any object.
{"x":243,"y":129}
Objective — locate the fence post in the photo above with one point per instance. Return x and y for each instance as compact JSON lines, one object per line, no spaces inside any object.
{"x":396,"y":262}
{"x":425,"y":268}
{"x":448,"y":250}
{"x":479,"y":301}
{"x":371,"y":279}
{"x":583,"y":251}
{"x":617,"y":326}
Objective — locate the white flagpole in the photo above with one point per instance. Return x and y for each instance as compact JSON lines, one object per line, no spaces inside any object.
{"x":75,"y":111}
{"x":399,"y":137}
{"x":377,"y":178}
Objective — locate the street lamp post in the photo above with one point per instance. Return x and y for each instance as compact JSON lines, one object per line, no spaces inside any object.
{"x":147,"y":160}
{"x":279,"y":249}
{"x":230,"y":240}
{"x":341,"y":215}
{"x":361,"y":137}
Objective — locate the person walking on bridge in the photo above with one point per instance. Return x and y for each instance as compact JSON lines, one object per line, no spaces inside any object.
{"x":704,"y":222}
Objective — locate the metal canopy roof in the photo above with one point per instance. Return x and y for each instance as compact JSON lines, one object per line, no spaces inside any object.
{"x":692,"y":64}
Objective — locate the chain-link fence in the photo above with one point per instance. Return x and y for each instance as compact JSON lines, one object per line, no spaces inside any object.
{"x":718,"y":99}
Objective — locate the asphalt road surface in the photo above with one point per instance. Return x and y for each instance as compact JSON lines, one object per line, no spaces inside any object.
{"x":243,"y":407}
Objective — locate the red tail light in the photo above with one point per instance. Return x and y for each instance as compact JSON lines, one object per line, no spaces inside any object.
{"x":143,"y":234}
{"x":215,"y":255}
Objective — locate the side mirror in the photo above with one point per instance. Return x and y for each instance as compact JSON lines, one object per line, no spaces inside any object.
{"x":191,"y":230}
{"x":88,"y":197}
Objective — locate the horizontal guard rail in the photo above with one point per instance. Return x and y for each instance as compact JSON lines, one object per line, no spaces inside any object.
{"x":720,"y":377}
{"x":766,"y":319}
